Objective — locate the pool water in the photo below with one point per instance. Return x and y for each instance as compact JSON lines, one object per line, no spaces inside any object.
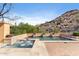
{"x":21,"y":44}
{"x":51,"y":38}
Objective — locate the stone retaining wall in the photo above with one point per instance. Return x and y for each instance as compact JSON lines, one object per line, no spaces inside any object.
{"x":18,"y":37}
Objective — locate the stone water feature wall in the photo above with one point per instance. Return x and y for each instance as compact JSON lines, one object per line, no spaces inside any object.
{"x":18,"y":37}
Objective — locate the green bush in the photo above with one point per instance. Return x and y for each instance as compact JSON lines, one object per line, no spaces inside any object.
{"x":76,"y":33}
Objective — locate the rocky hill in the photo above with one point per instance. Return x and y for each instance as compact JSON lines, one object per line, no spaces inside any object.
{"x":67,"y":22}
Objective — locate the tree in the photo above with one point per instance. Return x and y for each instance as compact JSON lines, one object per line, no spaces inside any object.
{"x":24,"y":28}
{"x":5,"y":8}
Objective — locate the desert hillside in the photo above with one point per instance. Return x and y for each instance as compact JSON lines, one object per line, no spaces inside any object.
{"x":67,"y":22}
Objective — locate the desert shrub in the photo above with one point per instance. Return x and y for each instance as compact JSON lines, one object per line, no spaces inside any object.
{"x":75,"y":33}
{"x":56,"y":30}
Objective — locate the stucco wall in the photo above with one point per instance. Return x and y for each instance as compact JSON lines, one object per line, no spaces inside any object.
{"x":1,"y":32}
{"x":4,"y":30}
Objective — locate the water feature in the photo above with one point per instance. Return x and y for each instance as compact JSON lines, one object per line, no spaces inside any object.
{"x":21,"y":44}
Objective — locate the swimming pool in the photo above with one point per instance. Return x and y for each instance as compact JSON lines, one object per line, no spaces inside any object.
{"x":55,"y":38}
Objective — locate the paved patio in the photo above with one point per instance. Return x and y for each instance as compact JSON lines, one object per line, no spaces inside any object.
{"x":62,"y":48}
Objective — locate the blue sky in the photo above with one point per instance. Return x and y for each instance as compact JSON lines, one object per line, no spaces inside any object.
{"x":40,"y":12}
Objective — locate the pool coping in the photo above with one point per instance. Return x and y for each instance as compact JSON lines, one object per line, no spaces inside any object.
{"x":59,"y":41}
{"x":56,"y":40}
